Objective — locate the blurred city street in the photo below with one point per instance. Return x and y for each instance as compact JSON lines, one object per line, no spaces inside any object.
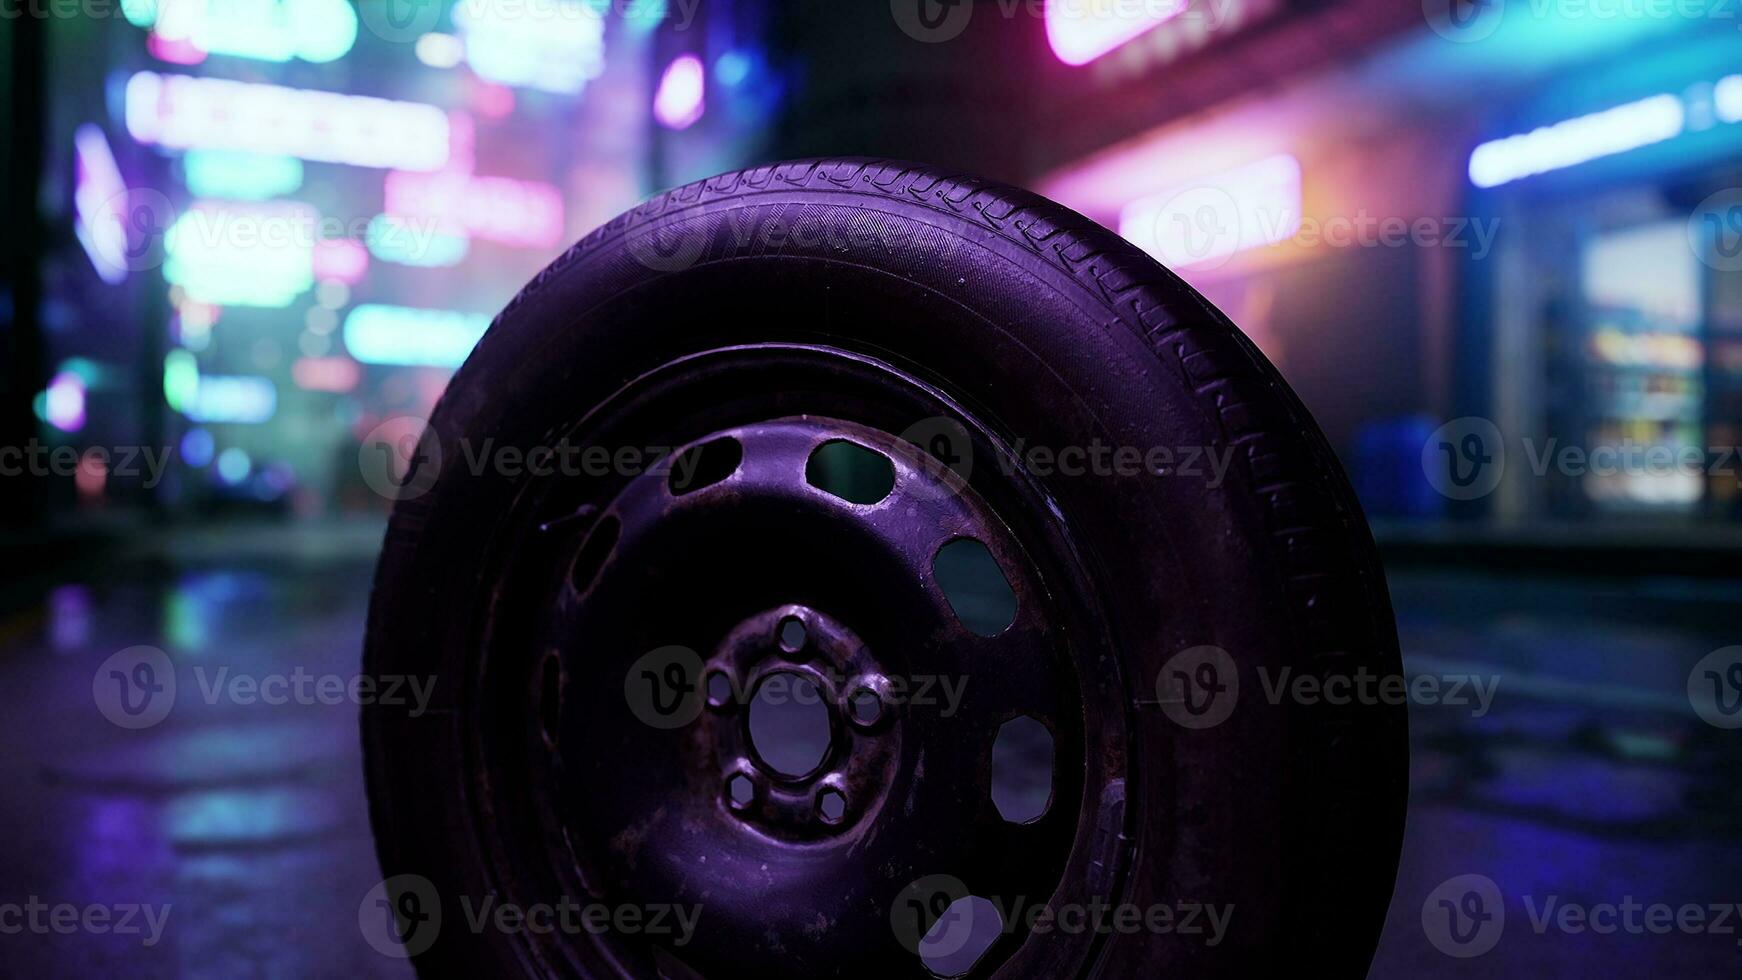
{"x":1495,"y":249}
{"x":1587,"y":779}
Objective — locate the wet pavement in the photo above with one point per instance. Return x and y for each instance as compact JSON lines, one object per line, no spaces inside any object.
{"x":1587,"y":781}
{"x":247,"y":820}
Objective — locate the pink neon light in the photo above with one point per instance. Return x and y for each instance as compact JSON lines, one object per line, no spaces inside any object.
{"x":176,"y":51}
{"x":342,"y":259}
{"x":682,"y":95}
{"x":64,"y":402}
{"x":462,"y":142}
{"x":523,"y":213}
{"x":185,"y":112}
{"x":335,"y":374}
{"x":91,"y":476}
{"x":1082,"y":30}
{"x":493,"y":101}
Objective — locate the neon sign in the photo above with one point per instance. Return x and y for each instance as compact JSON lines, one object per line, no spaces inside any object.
{"x":681,"y":98}
{"x":98,"y":194}
{"x":340,"y":260}
{"x":63,"y":402}
{"x":1576,"y":141}
{"x":1203,"y":222}
{"x":184,"y":112}
{"x":242,"y":255}
{"x":1727,"y":98}
{"x":265,"y":30}
{"x":403,"y":335}
{"x":334,"y":374}
{"x":240,"y":176}
{"x":244,"y":399}
{"x":1082,"y":30}
{"x":524,"y":213}
{"x":551,"y":45}
{"x":392,"y":240}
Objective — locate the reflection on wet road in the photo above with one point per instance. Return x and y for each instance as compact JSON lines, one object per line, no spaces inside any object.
{"x":245,"y":818}
{"x":1586,"y":781}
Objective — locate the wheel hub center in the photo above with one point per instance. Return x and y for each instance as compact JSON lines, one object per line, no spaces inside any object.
{"x":801,"y":724}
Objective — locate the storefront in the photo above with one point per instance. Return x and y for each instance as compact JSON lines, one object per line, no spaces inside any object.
{"x":1430,"y":229}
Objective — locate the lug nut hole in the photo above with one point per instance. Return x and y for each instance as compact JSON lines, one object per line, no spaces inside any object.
{"x":831,"y":805}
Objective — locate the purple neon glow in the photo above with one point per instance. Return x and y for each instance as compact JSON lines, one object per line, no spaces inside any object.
{"x":1082,"y":30}
{"x":64,"y":402}
{"x":682,"y":95}
{"x":1202,"y":222}
{"x":99,"y":196}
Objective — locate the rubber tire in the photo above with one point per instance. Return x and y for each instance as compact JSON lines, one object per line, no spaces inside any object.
{"x":1059,"y":332}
